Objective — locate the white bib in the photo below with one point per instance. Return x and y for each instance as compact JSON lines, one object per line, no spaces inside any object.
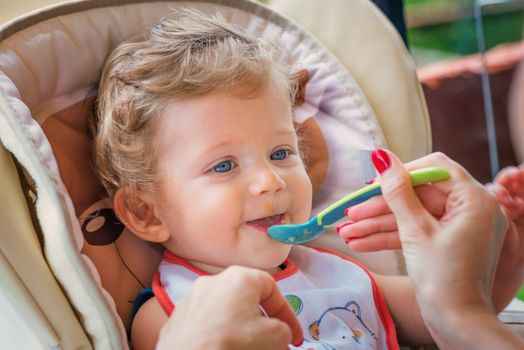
{"x":335,"y":299}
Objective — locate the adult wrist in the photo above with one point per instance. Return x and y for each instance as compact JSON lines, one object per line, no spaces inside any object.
{"x":459,"y":327}
{"x":481,"y":331}
{"x":451,"y":317}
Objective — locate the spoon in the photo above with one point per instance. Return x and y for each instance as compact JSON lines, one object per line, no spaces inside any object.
{"x":301,"y":233}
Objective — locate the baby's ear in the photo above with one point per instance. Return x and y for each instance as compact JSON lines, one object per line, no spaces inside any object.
{"x":302,"y":77}
{"x":137,"y":211}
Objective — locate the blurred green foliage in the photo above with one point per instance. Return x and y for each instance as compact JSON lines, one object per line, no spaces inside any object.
{"x":416,"y":2}
{"x":460,"y":36}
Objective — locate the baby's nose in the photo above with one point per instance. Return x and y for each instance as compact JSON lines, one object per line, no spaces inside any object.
{"x":266,"y":180}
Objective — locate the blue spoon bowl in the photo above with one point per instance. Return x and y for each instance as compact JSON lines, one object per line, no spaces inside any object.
{"x":301,"y":233}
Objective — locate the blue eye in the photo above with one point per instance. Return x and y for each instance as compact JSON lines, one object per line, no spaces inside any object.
{"x":223,"y":167}
{"x":281,"y":154}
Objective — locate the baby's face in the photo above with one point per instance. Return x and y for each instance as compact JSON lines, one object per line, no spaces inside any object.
{"x":230,"y":168}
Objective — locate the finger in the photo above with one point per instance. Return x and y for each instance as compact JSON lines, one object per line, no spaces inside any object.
{"x":516,"y":182}
{"x":512,"y":178}
{"x":505,"y":174}
{"x":359,"y":229}
{"x":398,"y":191}
{"x":501,"y":193}
{"x":275,"y":304}
{"x":518,"y":188}
{"x":280,"y":334}
{"x":457,"y":173}
{"x":437,"y":159}
{"x":375,"y":206}
{"x":513,"y":205}
{"x":376,"y":242}
{"x":518,"y":210}
{"x":433,"y":199}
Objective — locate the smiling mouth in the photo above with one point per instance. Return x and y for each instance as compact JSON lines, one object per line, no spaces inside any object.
{"x":268,"y":221}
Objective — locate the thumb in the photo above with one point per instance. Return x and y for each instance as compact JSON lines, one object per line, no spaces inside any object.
{"x":398,"y":192}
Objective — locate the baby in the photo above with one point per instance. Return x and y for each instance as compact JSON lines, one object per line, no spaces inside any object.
{"x":197,"y":147}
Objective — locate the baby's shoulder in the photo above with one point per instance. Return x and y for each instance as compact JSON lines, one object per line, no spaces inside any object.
{"x":147,"y":324}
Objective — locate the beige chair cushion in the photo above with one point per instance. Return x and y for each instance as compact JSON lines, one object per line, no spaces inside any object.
{"x":369,"y":47}
{"x":27,"y":282}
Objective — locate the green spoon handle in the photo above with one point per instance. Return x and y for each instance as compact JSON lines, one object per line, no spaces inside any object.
{"x":336,"y":211}
{"x":428,"y":175}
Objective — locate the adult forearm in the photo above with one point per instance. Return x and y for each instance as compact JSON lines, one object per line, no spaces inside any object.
{"x":487,"y":332}
{"x":505,"y":287}
{"x":510,"y":274}
{"x":470,"y":329}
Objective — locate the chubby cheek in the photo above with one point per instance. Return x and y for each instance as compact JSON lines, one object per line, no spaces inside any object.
{"x":214,"y":211}
{"x":302,"y":197}
{"x":197,"y":214}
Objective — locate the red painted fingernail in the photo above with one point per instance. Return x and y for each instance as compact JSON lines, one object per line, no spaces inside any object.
{"x":299,"y":342}
{"x":346,"y":212}
{"x":341,"y":226}
{"x":380,"y":160}
{"x":372,"y":180}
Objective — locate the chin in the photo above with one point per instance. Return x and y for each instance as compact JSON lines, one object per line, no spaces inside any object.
{"x":275,"y":258}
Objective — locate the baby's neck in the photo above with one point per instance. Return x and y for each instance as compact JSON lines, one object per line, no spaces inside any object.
{"x":213,"y":270}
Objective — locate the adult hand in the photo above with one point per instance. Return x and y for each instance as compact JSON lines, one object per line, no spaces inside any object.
{"x":508,"y":187}
{"x":450,"y":260}
{"x":373,"y":227}
{"x":223,"y":312}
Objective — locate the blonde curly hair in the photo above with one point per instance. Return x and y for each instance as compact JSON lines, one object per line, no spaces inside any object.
{"x":187,"y":54}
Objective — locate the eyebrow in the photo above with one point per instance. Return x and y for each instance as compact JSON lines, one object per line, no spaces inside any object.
{"x":286,"y":131}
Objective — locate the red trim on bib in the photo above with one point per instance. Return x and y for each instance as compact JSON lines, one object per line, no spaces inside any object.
{"x":383,"y":311}
{"x":173,"y":259}
{"x":161,"y":295}
{"x":289,"y":270}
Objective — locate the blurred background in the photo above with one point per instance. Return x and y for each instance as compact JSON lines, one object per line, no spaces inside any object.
{"x":445,"y":29}
{"x":443,"y":40}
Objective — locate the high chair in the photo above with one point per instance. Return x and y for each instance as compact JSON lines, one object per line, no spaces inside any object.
{"x":69,"y":270}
